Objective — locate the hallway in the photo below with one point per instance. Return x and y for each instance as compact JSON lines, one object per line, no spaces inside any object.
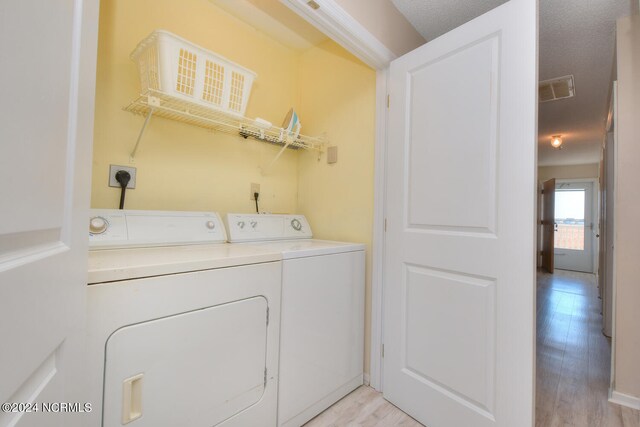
{"x":573,"y":357}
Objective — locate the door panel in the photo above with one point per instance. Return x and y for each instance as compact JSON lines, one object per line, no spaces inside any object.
{"x":469,"y":151}
{"x":47,"y":81}
{"x":469,"y":317}
{"x":37,"y":140}
{"x":459,"y":264}
{"x":548,"y":224}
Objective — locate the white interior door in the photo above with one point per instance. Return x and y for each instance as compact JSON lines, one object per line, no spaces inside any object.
{"x":460,"y":244}
{"x":47,"y":83}
{"x":574,"y":226}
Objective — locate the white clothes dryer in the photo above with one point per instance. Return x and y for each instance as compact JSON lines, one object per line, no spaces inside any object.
{"x":180,"y":335}
{"x":322,"y":312}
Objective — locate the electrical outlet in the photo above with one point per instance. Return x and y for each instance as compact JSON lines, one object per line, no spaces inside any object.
{"x":255,"y":188}
{"x":113,"y":169}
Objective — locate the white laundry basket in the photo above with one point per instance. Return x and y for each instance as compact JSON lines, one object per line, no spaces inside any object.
{"x":177,"y":67}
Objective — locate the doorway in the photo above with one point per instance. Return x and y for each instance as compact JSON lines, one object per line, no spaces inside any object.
{"x":574,"y":219}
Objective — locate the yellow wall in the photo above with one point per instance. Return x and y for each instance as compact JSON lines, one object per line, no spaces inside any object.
{"x":386,"y":23}
{"x":337,"y":96}
{"x":181,"y":167}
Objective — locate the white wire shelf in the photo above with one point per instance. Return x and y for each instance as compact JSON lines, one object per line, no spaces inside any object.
{"x":156,"y":103}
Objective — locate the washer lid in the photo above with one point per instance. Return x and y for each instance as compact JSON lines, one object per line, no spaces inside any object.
{"x":123,"y":264}
{"x":308,"y":247}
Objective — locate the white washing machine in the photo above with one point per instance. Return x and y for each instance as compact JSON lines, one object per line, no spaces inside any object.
{"x":322,"y":312}
{"x":184,"y":335}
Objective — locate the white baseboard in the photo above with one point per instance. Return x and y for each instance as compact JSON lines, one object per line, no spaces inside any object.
{"x":624,"y":399}
{"x":365,"y":379}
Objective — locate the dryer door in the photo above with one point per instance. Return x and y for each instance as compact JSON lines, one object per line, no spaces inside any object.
{"x":192,"y":369}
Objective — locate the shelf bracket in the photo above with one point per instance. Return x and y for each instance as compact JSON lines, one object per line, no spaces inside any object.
{"x":288,"y":142}
{"x":144,"y":126}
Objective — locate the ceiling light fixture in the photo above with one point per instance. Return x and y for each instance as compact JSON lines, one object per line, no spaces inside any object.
{"x":556,"y":141}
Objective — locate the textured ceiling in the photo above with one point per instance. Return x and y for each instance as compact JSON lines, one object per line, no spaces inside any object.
{"x":576,"y":37}
{"x":432,"y":18}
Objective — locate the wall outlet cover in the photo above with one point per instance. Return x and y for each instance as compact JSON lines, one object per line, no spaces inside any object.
{"x":332,"y":154}
{"x":113,"y":169}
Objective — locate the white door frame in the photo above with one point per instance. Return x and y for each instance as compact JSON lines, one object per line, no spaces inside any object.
{"x":378,"y":245}
{"x":336,"y":23}
{"x":612,"y":124}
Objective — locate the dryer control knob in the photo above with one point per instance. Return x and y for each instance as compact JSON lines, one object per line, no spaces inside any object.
{"x":241,"y":224}
{"x":254,"y":224}
{"x":297,"y":225}
{"x":98,"y":225}
{"x":211,"y":225}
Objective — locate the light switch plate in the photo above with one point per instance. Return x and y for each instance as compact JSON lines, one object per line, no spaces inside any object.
{"x":113,"y":169}
{"x":332,"y":154}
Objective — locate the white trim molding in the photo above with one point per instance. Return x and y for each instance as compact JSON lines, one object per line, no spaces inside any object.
{"x":614,"y":341}
{"x":344,"y":29}
{"x":624,"y":399}
{"x":377,"y":256}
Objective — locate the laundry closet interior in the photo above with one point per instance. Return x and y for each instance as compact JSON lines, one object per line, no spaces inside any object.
{"x":184,"y":166}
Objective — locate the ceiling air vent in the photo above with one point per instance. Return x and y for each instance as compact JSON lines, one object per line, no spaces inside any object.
{"x":554,"y":89}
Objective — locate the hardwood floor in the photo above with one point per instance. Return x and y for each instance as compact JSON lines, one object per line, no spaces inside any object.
{"x":363,"y":407}
{"x":573,"y":363}
{"x":573,"y":357}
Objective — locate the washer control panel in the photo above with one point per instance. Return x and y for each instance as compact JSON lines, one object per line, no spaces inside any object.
{"x":112,"y":228}
{"x":258,"y":227}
